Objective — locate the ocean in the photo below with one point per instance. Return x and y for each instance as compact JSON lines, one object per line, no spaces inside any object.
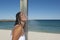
{"x":50,"y":26}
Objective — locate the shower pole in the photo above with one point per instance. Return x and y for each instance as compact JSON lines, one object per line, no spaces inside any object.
{"x":23,"y":8}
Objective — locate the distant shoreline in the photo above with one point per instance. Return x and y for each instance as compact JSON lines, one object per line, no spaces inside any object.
{"x":28,"y":20}
{"x":7,"y":20}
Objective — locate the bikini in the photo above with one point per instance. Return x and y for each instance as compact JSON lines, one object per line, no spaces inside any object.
{"x":22,"y":37}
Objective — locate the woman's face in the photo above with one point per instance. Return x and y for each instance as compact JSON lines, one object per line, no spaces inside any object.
{"x":23,"y":17}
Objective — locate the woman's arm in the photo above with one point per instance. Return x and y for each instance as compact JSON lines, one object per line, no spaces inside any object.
{"x":16,"y":33}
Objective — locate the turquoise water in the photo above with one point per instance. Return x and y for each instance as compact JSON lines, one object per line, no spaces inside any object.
{"x":6,"y":25}
{"x":51,"y":26}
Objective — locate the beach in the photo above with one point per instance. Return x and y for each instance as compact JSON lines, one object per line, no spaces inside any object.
{"x":6,"y":35}
{"x":43,"y":36}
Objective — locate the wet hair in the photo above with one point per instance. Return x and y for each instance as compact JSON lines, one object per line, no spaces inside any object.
{"x":18,"y":18}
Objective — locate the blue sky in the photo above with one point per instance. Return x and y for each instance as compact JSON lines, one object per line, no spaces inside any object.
{"x":37,"y":9}
{"x":44,"y":9}
{"x":9,"y":8}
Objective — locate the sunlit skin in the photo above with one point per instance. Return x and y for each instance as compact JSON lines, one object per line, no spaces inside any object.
{"x":23,"y":18}
{"x":18,"y":29}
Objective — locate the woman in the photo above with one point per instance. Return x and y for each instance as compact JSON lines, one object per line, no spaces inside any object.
{"x":18,"y":31}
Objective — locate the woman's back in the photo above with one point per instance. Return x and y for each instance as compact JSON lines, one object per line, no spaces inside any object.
{"x":17,"y":32}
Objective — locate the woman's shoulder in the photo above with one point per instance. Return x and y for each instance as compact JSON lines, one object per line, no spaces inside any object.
{"x":18,"y":25}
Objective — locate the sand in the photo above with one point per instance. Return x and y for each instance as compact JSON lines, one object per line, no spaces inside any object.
{"x":6,"y":35}
{"x":43,"y":36}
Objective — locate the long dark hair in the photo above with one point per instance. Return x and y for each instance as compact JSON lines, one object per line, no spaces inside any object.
{"x":18,"y":18}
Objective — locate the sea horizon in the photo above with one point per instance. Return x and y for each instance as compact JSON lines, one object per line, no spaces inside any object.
{"x":50,"y":26}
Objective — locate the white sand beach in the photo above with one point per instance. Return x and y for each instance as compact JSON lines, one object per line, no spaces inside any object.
{"x":43,"y":36}
{"x":5,"y":35}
